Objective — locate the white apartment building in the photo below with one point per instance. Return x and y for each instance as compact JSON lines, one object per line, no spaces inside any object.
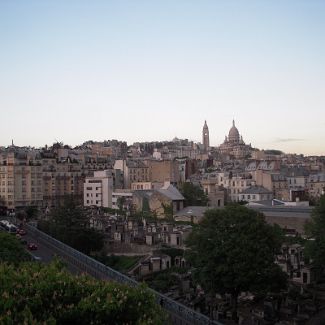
{"x":98,"y":189}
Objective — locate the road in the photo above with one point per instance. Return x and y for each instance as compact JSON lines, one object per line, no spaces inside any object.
{"x":42,"y":252}
{"x":45,"y":253}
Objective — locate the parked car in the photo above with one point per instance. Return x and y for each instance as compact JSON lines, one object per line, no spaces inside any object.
{"x":32,"y":246}
{"x":22,"y":232}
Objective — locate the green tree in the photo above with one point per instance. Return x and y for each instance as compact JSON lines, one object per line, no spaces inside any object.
{"x":121,"y":205}
{"x":168,"y":210}
{"x":39,"y":294}
{"x":11,"y":250}
{"x":193,"y":194}
{"x":233,"y":250}
{"x":145,"y":206}
{"x":69,"y":223}
{"x":31,"y":212}
{"x":315,"y":230}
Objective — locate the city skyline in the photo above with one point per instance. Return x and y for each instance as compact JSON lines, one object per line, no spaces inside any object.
{"x":143,"y":71}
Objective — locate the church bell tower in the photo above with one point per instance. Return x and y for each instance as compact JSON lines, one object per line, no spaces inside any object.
{"x":205,"y":137}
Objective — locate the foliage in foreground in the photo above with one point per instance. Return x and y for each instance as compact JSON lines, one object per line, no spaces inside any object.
{"x":11,"y":250}
{"x":34,"y":294}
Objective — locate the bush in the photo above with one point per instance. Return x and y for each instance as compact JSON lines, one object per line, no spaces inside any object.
{"x":34,"y":293}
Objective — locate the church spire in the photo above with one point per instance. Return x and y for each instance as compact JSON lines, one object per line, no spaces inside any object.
{"x":205,"y":137}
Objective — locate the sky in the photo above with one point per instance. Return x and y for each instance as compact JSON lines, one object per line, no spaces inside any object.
{"x":74,"y":70}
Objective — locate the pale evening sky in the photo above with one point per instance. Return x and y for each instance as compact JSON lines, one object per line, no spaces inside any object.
{"x":74,"y":70}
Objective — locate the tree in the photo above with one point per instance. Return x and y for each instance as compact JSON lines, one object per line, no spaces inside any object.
{"x":11,"y":250}
{"x":121,"y":205}
{"x":315,"y":230}
{"x":193,"y":194}
{"x":168,"y":210}
{"x":233,"y":250}
{"x":70,"y":224}
{"x":31,"y":212}
{"x":35,"y":293}
{"x":145,"y":206}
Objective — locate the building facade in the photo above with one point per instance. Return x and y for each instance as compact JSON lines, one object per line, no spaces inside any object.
{"x":20,"y":180}
{"x":98,"y":189}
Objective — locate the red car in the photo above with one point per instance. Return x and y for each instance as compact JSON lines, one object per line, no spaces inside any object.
{"x":32,"y":246}
{"x":22,"y":232}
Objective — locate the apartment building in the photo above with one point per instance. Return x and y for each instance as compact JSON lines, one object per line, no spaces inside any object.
{"x":215,"y":193}
{"x":163,"y":170}
{"x":316,"y":185}
{"x":20,"y":180}
{"x":98,"y":189}
{"x":134,"y":171}
{"x":275,"y":182}
{"x":60,"y":179}
{"x":234,"y":184}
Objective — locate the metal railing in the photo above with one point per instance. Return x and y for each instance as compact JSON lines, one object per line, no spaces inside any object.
{"x":179,"y":313}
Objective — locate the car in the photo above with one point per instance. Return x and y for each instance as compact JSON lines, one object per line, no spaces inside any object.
{"x":32,"y":246}
{"x":22,"y":232}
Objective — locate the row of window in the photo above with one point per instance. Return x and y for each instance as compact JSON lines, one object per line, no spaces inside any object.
{"x":93,"y":202}
{"x":91,"y":194}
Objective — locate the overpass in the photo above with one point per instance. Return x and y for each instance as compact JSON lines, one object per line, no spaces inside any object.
{"x":179,"y":314}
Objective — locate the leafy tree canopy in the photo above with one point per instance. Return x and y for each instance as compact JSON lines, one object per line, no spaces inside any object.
{"x":70,"y":224}
{"x":233,"y":250}
{"x":31,"y":212}
{"x":194,"y":194}
{"x":11,"y":250}
{"x":38,"y":294}
{"x":315,"y":229}
{"x":168,"y":210}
